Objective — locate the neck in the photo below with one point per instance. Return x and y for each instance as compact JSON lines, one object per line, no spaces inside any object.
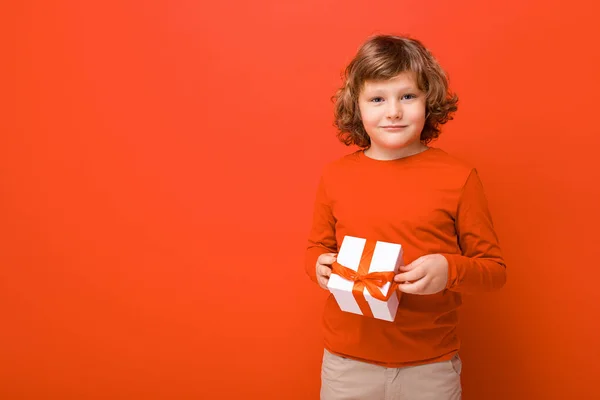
{"x":394,"y":154}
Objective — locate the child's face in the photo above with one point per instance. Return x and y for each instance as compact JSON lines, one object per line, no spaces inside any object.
{"x":393,"y":114}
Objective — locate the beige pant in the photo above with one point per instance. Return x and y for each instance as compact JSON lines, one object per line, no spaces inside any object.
{"x":346,"y":379}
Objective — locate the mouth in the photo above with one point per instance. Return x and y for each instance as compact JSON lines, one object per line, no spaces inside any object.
{"x":394,"y":127}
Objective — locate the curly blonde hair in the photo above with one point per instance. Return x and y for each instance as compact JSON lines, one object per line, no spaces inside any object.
{"x":383,"y":57}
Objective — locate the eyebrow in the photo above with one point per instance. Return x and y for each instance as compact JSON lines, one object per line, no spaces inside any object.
{"x":402,"y":89}
{"x":379,"y":91}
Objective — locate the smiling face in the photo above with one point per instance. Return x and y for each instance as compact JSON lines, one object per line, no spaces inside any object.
{"x":393,"y":113}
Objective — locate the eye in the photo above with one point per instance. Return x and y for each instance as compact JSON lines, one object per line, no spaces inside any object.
{"x":376,"y":99}
{"x":409,"y":96}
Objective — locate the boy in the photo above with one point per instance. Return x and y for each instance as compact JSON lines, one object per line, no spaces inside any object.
{"x":398,"y":189}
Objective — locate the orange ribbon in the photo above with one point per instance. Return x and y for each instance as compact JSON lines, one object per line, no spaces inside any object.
{"x":362,"y":278}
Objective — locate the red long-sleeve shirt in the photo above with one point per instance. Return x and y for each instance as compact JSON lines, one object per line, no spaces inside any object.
{"x":429,"y":203}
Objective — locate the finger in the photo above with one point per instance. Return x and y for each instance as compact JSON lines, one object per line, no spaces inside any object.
{"x":406,"y":268}
{"x":327,"y":258}
{"x":323,"y":282}
{"x":413,"y":264}
{"x":410,"y":276}
{"x":417,"y":287}
{"x":324,"y":270}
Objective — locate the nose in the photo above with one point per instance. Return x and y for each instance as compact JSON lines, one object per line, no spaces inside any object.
{"x":394,"y":110}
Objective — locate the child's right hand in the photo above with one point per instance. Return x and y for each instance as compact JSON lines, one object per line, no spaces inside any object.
{"x":324,"y":268}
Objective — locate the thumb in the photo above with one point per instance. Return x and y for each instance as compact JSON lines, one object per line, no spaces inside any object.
{"x":328,"y":258}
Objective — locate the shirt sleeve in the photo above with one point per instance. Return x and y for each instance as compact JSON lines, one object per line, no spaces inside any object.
{"x":321,"y":238}
{"x":480,"y":266}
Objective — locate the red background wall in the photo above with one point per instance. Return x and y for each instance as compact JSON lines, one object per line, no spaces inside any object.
{"x":158,"y":165}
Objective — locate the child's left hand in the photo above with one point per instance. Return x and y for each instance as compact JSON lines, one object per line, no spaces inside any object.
{"x":425,"y":275}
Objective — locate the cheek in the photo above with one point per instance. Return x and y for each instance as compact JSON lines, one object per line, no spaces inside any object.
{"x":417,"y":115}
{"x":370,"y":117}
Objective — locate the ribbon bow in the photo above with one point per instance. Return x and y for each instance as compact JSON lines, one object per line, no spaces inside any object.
{"x":373,"y":281}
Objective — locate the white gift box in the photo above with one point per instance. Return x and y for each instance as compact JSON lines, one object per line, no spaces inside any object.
{"x":386,"y":257}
